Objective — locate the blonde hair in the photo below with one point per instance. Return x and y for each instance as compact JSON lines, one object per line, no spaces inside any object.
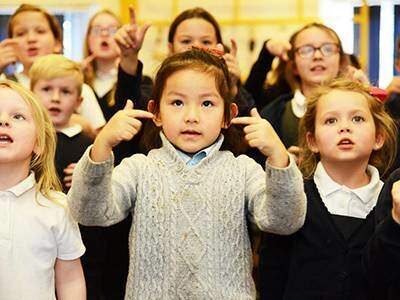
{"x":89,"y":72}
{"x":42,"y":164}
{"x":52,"y":66}
{"x":382,"y":159}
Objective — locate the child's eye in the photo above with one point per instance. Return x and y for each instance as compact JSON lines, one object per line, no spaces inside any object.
{"x":330,"y":121}
{"x":207,"y":43}
{"x":66,"y":92}
{"x":207,"y":103}
{"x":358,"y":119}
{"x":41,"y":30}
{"x":46,"y":89}
{"x":177,"y":103}
{"x":19,"y":117}
{"x":19,"y":33}
{"x":186,"y":42}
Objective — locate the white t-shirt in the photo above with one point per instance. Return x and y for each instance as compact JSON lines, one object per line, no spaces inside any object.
{"x":89,"y":108}
{"x":33,"y":234}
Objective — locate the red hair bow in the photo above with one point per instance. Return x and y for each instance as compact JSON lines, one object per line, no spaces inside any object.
{"x":378,"y":93}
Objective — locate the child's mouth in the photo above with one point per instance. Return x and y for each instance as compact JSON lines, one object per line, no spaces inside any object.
{"x":5,"y":139}
{"x":345,"y":143}
{"x":33,"y":51}
{"x":54,"y":110}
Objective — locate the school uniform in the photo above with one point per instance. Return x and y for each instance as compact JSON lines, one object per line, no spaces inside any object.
{"x":328,"y":257}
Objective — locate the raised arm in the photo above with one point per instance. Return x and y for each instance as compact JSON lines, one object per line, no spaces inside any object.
{"x":276,"y":198}
{"x":99,"y":195}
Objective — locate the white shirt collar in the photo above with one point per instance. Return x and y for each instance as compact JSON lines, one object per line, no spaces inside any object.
{"x":299,"y":104}
{"x":24,"y":185}
{"x":71,"y":131}
{"x":344,"y":201}
{"x":23,"y":79}
{"x":327,"y":186}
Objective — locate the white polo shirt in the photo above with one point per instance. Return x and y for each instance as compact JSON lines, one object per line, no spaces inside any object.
{"x":344,"y":201}
{"x":33,"y":234}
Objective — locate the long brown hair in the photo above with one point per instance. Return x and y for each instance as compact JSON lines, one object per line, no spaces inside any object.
{"x":382,"y":158}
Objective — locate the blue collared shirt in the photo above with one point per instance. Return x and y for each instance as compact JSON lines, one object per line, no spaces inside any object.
{"x":197,"y":157}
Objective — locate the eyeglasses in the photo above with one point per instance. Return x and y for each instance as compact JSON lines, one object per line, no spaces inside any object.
{"x":98,"y":30}
{"x":326,"y":49}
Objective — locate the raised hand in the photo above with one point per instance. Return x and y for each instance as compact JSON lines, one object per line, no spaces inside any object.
{"x":396,"y":201}
{"x":394,"y":86}
{"x":232,"y":63}
{"x":8,"y":53}
{"x":279,"y":48}
{"x":260,"y":134}
{"x":86,"y":61}
{"x":130,"y":39}
{"x":123,"y":126}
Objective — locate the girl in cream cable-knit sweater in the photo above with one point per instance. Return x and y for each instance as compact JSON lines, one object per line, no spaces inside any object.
{"x":189,"y":198}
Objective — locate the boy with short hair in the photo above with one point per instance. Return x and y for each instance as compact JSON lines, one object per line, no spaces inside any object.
{"x":57,"y":81}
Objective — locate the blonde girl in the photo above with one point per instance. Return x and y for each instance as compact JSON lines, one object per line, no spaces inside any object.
{"x":40,"y":244}
{"x":349,"y":141}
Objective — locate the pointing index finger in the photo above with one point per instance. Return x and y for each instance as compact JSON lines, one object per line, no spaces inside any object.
{"x":132,"y":15}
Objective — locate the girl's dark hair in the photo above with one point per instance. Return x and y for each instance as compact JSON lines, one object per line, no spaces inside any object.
{"x":194,"y":13}
{"x":53,"y":22}
{"x":205,"y":62}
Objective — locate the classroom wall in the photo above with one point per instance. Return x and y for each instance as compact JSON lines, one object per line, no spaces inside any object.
{"x":250,"y":22}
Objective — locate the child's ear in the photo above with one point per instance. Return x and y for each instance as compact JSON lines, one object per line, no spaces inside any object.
{"x":234,"y":111}
{"x":151,"y":107}
{"x":379,"y":141}
{"x":312,"y":145}
{"x":170,"y":49}
{"x":78,"y":102}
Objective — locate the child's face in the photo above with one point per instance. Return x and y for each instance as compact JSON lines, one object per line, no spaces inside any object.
{"x":318,"y":68}
{"x":17,"y":129}
{"x":344,"y":129}
{"x":34,"y":36}
{"x":191,"y":110}
{"x":193,"y":32}
{"x":60,"y":97}
{"x":101,"y":41}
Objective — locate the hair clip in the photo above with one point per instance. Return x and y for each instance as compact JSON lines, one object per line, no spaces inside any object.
{"x":211,"y":51}
{"x":378,"y":93}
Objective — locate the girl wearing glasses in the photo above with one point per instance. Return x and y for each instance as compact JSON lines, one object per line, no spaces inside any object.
{"x":101,"y":57}
{"x":314,"y":56}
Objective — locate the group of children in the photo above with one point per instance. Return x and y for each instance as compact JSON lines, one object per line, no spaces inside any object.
{"x":186,"y":203}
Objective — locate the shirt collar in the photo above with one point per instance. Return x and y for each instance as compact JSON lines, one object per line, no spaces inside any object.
{"x":24,"y":185}
{"x":326,"y":186}
{"x":71,"y":131}
{"x":23,"y":80}
{"x":197,"y":157}
{"x":299,"y":104}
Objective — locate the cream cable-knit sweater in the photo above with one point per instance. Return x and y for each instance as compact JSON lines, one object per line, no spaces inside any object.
{"x":189,"y":236}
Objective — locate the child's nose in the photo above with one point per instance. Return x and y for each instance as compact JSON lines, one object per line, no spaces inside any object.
{"x":55,"y":97}
{"x":4,"y":120}
{"x":192,"y":115}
